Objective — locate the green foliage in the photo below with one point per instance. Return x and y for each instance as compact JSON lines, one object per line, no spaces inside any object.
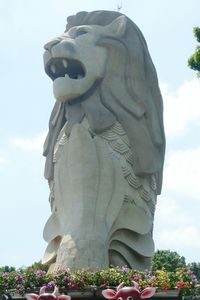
{"x":166,"y":274}
{"x":196,"y":31}
{"x":37,"y":266}
{"x":195,"y":267}
{"x":66,"y":280}
{"x":194,"y":60}
{"x":167,"y":260}
{"x":7,"y":269}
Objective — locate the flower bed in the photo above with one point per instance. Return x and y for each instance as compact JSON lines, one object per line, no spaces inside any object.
{"x":93,"y":282}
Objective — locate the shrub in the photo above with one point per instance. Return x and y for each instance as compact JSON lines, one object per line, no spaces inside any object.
{"x":66,"y":280}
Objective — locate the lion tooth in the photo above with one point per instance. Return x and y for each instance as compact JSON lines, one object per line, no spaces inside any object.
{"x":53,"y":69}
{"x":64,"y":63}
{"x":79,"y":76}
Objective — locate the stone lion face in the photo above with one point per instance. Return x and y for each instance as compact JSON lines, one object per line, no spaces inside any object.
{"x":75,"y":62}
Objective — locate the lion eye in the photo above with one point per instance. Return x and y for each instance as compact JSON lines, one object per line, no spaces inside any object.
{"x":129,"y":298}
{"x":80,"y":32}
{"x":120,"y":298}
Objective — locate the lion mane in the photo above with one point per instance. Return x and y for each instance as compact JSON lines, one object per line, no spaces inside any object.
{"x":128,"y":94}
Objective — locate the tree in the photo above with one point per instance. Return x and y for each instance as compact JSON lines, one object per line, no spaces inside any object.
{"x":195,"y":267}
{"x":194,"y":60}
{"x":169,"y":260}
{"x":7,"y":269}
{"x":35,"y":266}
{"x":38,"y":266}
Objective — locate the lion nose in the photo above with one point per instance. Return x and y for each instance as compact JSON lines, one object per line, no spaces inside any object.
{"x":48,"y":46}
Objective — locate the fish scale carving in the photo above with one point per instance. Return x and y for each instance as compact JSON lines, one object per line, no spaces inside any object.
{"x":118,"y":141}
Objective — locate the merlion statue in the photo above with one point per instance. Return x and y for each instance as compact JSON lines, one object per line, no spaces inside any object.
{"x":105,"y":146}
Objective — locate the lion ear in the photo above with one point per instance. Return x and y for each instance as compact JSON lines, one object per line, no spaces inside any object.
{"x":118,"y":27}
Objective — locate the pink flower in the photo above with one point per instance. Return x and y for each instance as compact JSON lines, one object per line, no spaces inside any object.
{"x":73,"y":286}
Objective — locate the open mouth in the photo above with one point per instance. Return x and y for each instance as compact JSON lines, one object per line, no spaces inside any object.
{"x":62,"y":67}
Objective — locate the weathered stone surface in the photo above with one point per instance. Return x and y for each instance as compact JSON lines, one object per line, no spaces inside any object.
{"x":105,"y":146}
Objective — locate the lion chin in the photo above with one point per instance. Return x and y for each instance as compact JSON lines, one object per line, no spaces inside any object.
{"x":105,"y":146}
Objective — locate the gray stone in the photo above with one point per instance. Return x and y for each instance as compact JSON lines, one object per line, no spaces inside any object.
{"x":105,"y":146}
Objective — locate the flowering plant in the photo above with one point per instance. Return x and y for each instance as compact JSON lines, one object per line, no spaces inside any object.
{"x":32,"y":280}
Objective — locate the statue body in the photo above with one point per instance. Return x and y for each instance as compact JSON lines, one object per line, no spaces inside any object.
{"x":105,"y":146}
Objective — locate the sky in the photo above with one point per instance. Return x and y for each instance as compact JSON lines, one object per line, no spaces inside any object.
{"x":27,"y":100}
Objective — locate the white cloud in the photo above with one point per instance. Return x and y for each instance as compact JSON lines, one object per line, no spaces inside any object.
{"x":182,"y":173}
{"x":177,"y":229}
{"x":29,"y":144}
{"x":176,"y":221}
{"x":181,"y":107}
{"x":186,"y":236}
{"x":2,"y":161}
{"x":170,"y":213}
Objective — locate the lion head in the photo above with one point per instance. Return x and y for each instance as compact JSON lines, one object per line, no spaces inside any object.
{"x":101,"y":68}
